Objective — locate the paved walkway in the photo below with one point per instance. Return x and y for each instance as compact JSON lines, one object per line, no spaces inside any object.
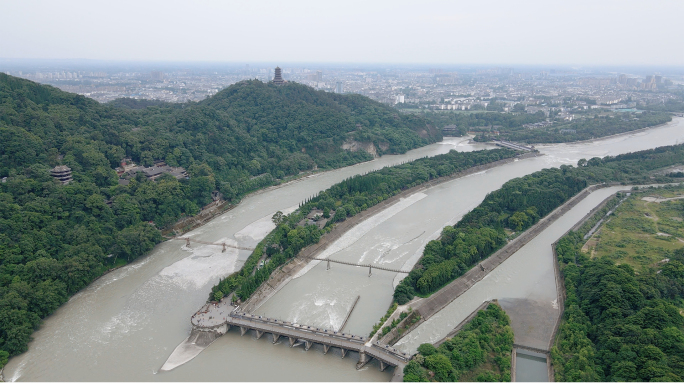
{"x":213,"y":314}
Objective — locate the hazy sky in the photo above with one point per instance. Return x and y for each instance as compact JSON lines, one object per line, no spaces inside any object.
{"x":646,"y":32}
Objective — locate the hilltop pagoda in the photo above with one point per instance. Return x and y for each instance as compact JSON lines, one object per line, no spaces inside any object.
{"x":61,"y":173}
{"x":278,"y":78}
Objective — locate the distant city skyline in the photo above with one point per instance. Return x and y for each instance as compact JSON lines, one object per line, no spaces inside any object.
{"x":601,"y":33}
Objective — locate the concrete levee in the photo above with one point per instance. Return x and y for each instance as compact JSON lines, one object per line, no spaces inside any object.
{"x":395,"y":334}
{"x":514,"y":354}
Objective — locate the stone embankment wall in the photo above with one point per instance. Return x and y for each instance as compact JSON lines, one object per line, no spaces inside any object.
{"x":189,"y":223}
{"x":395,"y":334}
{"x":274,"y":283}
{"x":591,"y":213}
{"x":279,"y":278}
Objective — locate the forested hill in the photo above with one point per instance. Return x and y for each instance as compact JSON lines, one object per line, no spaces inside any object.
{"x":249,"y":129}
{"x":55,"y":239}
{"x":315,"y":119}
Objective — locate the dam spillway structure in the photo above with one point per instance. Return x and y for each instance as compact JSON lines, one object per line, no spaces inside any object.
{"x":215,"y":320}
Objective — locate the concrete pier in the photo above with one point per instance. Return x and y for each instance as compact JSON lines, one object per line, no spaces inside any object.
{"x":363,"y":360}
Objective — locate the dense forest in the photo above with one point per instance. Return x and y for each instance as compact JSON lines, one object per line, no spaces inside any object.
{"x":337,"y":203}
{"x":482,"y":121}
{"x":481,"y":351}
{"x":619,"y":325}
{"x":509,"y":126}
{"x":588,"y":128}
{"x":519,"y":204}
{"x":55,"y":239}
{"x":247,"y":130}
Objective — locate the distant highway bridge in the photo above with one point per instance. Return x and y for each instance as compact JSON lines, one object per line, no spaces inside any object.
{"x":508,"y":144}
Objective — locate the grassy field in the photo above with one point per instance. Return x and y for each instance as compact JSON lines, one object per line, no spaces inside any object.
{"x":648,"y":225}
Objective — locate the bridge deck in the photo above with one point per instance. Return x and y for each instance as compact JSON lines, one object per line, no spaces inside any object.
{"x":226,"y":245}
{"x":190,"y":240}
{"x":510,"y":145}
{"x":346,"y":341}
{"x":373,"y":266}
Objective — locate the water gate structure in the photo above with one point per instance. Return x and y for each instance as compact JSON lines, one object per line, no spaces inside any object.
{"x":297,"y":335}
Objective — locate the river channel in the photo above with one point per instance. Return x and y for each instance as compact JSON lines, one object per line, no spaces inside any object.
{"x":124,"y":325}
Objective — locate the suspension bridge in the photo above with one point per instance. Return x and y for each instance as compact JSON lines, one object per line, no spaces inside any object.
{"x":189,"y":241}
{"x":369,"y":266}
{"x":225,"y":245}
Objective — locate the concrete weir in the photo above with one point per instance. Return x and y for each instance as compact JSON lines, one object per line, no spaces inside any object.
{"x":307,"y":335}
{"x":215,"y":319}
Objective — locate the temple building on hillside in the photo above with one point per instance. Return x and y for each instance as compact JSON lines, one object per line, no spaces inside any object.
{"x":278,"y":78}
{"x":61,"y":173}
{"x":152,"y":173}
